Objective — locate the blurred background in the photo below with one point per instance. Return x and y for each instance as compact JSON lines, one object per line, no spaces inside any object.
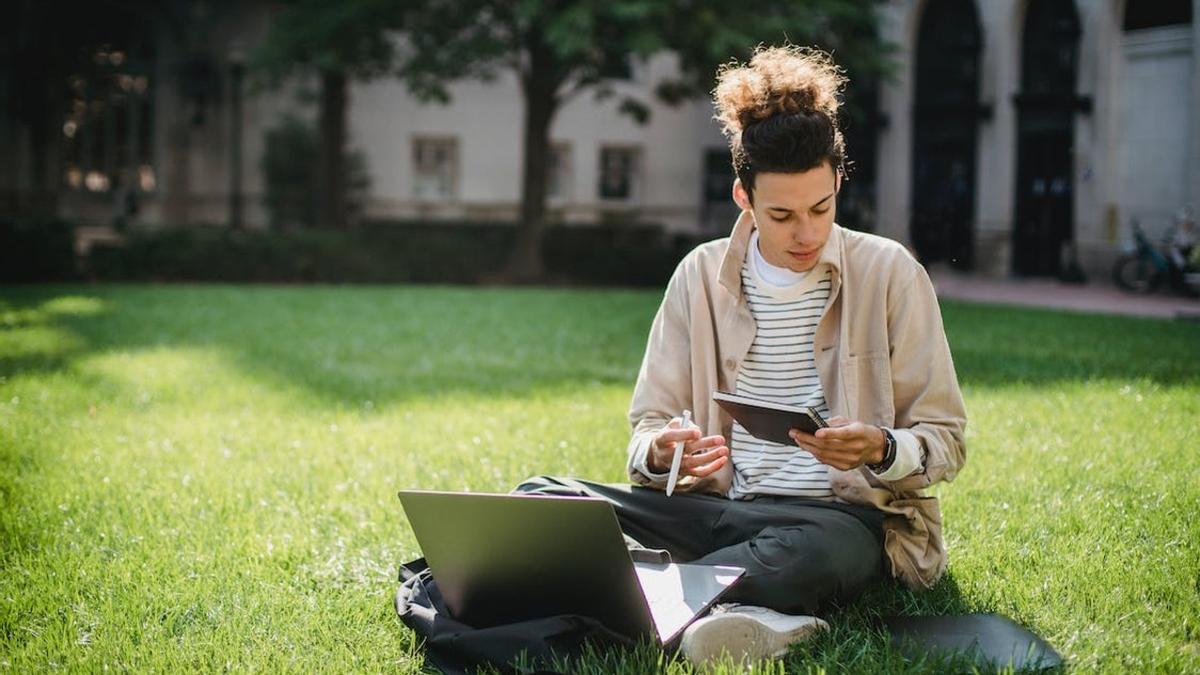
{"x":516,"y":140}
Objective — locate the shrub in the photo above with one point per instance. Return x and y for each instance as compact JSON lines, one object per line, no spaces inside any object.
{"x":396,"y":251}
{"x":37,"y":250}
{"x":289,"y":167}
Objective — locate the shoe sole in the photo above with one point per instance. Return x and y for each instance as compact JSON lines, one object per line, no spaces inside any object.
{"x":742,"y":637}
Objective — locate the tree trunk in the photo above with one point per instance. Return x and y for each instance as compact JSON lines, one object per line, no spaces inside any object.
{"x":541,"y":102}
{"x":331,"y":151}
{"x":236,"y":72}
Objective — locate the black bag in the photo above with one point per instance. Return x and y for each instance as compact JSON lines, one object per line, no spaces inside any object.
{"x":454,"y":647}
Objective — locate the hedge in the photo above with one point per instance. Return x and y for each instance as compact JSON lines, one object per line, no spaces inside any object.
{"x":37,"y":250}
{"x":390,"y":252}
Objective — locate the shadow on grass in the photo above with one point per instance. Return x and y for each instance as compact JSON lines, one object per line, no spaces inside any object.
{"x":391,"y":344}
{"x":857,"y":641}
{"x":347,"y":345}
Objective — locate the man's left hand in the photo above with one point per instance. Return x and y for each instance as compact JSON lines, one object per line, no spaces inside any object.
{"x":845,"y":444}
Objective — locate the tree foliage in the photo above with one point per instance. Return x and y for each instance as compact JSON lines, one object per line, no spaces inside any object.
{"x":313,"y":35}
{"x":588,"y":42}
{"x":560,"y":49}
{"x":336,"y":41}
{"x":557,"y":50}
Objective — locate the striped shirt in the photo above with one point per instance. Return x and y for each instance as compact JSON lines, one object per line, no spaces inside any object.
{"x":780,"y":367}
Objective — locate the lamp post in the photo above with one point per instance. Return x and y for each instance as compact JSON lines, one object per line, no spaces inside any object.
{"x":237,"y":71}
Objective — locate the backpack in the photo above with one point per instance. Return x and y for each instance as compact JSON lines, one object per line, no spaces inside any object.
{"x":454,"y":647}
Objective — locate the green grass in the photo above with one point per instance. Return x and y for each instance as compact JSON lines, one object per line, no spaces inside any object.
{"x":204,"y":478}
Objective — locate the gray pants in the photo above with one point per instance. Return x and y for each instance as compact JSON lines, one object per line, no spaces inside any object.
{"x":798,"y":553}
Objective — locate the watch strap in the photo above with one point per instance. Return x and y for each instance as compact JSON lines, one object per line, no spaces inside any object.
{"x":889,"y":453}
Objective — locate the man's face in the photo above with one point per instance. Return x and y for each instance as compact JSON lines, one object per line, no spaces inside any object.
{"x":794,"y":214}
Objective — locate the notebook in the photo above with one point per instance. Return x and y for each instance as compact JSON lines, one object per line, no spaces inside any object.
{"x":768,"y":420}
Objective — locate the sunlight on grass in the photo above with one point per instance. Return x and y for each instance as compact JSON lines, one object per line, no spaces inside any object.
{"x":37,"y":342}
{"x":196,"y":477}
{"x":1100,"y":522}
{"x":75,"y":305}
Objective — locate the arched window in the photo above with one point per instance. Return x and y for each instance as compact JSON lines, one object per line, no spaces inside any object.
{"x":1046,"y":110}
{"x":946,"y":115}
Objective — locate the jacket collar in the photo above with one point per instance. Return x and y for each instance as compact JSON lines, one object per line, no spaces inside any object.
{"x":730,"y":273}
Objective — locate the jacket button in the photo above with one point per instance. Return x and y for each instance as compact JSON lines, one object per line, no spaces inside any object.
{"x":730,"y":363}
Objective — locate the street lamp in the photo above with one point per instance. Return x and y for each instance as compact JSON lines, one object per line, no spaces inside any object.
{"x":237,"y":71}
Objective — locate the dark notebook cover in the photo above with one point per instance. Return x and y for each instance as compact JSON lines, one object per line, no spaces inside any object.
{"x":767,"y":420}
{"x":993,"y":641}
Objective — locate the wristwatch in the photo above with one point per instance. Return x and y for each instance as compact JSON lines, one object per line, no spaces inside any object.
{"x":889,"y":453}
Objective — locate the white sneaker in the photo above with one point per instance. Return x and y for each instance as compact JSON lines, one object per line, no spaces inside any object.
{"x":745,"y":632}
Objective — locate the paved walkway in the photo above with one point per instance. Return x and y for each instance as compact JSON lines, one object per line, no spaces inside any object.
{"x":1096,"y":297}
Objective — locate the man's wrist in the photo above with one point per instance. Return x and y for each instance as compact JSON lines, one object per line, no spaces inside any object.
{"x":879,"y":455}
{"x":887,"y":455}
{"x":642,"y":463}
{"x":650,"y":460}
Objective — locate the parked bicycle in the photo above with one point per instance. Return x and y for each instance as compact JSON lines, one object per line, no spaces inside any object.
{"x":1147,"y":267}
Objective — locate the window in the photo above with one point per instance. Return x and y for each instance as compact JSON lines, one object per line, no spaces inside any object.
{"x":1141,"y":14}
{"x":435,"y":167}
{"x":558,"y":172}
{"x":620,"y":67}
{"x":619,"y":172}
{"x":718,"y":211}
{"x":108,"y":122}
{"x":718,"y":175}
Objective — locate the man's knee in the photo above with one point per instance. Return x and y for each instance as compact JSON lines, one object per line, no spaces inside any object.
{"x":816,"y":568}
{"x":800,"y":574}
{"x":847,"y":564}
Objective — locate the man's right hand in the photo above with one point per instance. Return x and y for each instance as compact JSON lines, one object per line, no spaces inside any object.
{"x":701,"y":456}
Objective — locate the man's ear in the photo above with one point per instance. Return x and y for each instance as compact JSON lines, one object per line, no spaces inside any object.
{"x":740,"y":196}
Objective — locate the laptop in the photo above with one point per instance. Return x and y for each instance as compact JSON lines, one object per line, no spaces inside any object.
{"x":503,"y":558}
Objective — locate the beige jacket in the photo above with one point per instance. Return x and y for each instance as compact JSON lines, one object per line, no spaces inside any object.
{"x":881,"y":355}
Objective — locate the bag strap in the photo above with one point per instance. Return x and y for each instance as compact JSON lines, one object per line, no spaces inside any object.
{"x":409,"y":570}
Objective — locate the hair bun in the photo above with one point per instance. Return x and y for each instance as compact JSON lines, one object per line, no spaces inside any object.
{"x":777,"y":81}
{"x":780,"y":103}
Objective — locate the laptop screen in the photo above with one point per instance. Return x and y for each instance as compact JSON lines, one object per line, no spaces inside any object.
{"x":500,"y":559}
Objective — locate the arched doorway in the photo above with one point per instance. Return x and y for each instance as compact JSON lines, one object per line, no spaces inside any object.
{"x":1046,"y":107}
{"x":945,"y":117}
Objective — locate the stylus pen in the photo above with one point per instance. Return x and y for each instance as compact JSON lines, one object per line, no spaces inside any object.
{"x":674,"y":476}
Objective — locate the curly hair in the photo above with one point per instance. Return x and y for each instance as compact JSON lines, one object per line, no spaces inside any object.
{"x":780,"y":112}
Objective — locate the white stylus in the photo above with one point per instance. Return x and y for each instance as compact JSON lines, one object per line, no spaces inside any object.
{"x":674,"y":477}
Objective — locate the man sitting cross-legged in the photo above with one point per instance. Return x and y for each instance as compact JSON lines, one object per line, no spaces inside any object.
{"x":791,"y":308}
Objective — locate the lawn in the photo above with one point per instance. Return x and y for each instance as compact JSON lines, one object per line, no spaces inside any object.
{"x":204,"y":478}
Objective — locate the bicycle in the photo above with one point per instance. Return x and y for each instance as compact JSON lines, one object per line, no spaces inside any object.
{"x":1145,"y":269}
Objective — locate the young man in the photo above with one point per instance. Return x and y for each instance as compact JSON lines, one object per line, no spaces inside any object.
{"x":792,"y":308}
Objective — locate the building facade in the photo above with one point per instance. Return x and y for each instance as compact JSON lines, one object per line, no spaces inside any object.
{"x":1016,"y":137}
{"x":1026,"y":136}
